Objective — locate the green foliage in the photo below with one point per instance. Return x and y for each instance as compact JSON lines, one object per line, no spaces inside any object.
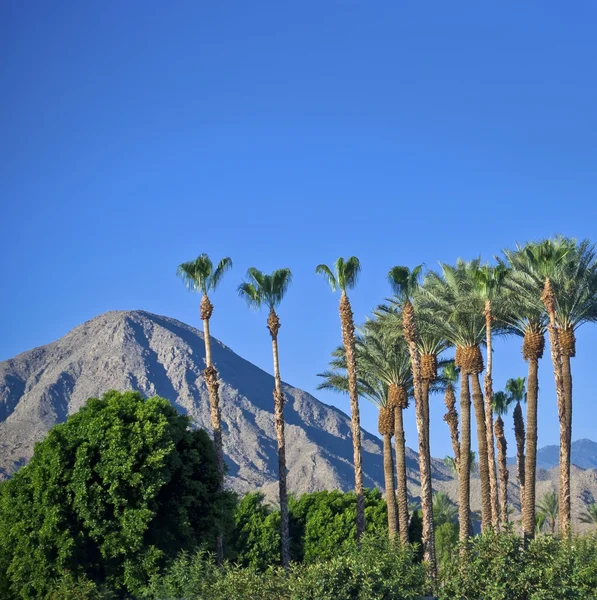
{"x":256,"y":539}
{"x":496,"y":567}
{"x":345,"y":274}
{"x":200,"y":275}
{"x":323,"y":523}
{"x":109,"y":496}
{"x":262,"y":289}
{"x":446,"y":542}
{"x":374,"y":570}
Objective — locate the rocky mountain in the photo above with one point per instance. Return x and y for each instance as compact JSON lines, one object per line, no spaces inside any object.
{"x":159,"y":355}
{"x":584,"y":455}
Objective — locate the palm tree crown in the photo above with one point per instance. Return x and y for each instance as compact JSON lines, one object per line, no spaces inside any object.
{"x":200,"y":275}
{"x":344,"y":276}
{"x":262,"y":289}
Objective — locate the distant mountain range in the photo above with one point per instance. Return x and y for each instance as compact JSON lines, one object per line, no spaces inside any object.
{"x":584,"y":455}
{"x":159,"y":355}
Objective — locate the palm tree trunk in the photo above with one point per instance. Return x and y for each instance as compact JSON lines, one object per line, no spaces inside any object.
{"x":520,"y":461}
{"x":213,"y":386}
{"x":274,"y":326}
{"x":565,"y":504}
{"x":502,"y":461}
{"x":488,"y":385}
{"x":464,"y":468}
{"x":549,"y":301}
{"x":451,"y":418}
{"x":388,"y":470}
{"x":530,"y":465}
{"x":428,"y":537}
{"x":483,"y":452}
{"x":347,"y":322}
{"x":401,"y":474}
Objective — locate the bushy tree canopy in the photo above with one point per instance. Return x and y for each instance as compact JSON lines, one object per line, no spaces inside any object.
{"x":110,"y":495}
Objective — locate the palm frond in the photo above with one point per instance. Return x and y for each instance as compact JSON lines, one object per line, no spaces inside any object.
{"x":224,"y":265}
{"x":327,"y":274}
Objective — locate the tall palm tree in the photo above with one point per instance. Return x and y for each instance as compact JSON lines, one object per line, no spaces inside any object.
{"x":452,"y":463}
{"x":549,"y":508}
{"x":516,"y":392}
{"x":524,"y":315}
{"x":200,"y":275}
{"x":489,"y":281}
{"x":373,"y":367}
{"x":405,"y":283}
{"x":590,"y":514}
{"x":570,"y":298}
{"x":500,"y":407}
{"x":261,"y":289}
{"x":565,"y":273}
{"x":344,"y":277}
{"x":458,"y":308}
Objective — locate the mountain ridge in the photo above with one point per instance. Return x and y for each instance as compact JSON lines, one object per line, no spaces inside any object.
{"x":158,"y":355}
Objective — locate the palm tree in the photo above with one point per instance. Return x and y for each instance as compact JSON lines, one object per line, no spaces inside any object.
{"x":570,"y":298}
{"x":344,"y":277}
{"x":590,"y":514}
{"x":516,"y":392}
{"x":404,"y":283}
{"x":500,"y":407}
{"x":374,"y":363}
{"x":269,"y":290}
{"x":565,"y":274}
{"x":458,"y":308}
{"x":525,"y":316}
{"x":548,"y":508}
{"x":200,"y":275}
{"x":489,"y":281}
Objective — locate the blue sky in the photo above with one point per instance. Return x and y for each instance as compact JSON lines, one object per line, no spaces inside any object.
{"x":283,"y":134}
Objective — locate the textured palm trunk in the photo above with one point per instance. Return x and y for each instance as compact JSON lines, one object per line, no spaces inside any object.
{"x":530,"y":465}
{"x":549,"y":300}
{"x":213,"y":387}
{"x":565,"y":497}
{"x":401,"y":473}
{"x":464,"y":468}
{"x":347,"y":322}
{"x":273,"y":324}
{"x":451,"y":418}
{"x":488,"y":385}
{"x":428,"y":536}
{"x":483,"y":453}
{"x":520,"y":461}
{"x":388,"y":470}
{"x":503,"y":467}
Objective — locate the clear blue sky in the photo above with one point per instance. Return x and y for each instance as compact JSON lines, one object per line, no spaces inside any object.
{"x":136,"y":135}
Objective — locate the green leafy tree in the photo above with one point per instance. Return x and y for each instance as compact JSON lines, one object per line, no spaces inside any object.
{"x":110,"y":496}
{"x":256,"y":538}
{"x":201,"y":276}
{"x":260,"y":290}
{"x":344,"y":277}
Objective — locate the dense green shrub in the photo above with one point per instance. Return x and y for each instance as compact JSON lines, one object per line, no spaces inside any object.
{"x":321,"y":525}
{"x":496,"y":567}
{"x":375,"y":570}
{"x":109,"y":496}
